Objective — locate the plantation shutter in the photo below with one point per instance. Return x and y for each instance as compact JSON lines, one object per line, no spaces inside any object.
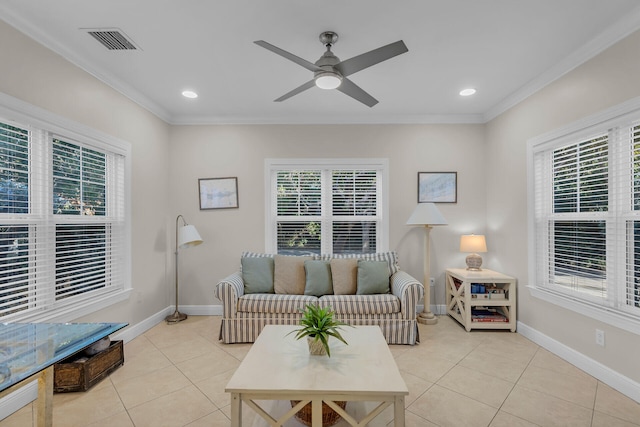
{"x":89,"y":224}
{"x":15,"y":266}
{"x":355,"y":210}
{"x":632,"y":265}
{"x":580,"y":203}
{"x":62,"y":221}
{"x":332,"y":208}
{"x":299,"y":211}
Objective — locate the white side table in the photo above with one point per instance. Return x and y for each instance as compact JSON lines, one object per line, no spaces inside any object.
{"x":461,"y":301}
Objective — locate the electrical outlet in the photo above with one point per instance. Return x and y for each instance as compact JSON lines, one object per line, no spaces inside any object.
{"x":432,"y":282}
{"x":600,"y":337}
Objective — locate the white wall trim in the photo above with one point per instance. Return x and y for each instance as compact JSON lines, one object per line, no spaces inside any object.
{"x":200,"y":310}
{"x":596,"y":369}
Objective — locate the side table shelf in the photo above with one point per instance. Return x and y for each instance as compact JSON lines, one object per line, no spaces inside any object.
{"x":489,"y":304}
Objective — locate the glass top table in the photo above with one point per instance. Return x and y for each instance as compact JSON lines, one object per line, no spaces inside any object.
{"x":28,"y":352}
{"x":28,"y":348}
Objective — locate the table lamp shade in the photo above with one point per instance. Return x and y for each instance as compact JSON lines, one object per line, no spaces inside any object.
{"x":426,"y":214}
{"x":473,"y":244}
{"x":188,"y":236}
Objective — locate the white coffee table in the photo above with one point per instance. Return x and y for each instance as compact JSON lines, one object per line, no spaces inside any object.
{"x":279,"y":367}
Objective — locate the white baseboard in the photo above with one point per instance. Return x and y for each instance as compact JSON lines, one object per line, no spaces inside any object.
{"x":597,"y":370}
{"x":200,"y":310}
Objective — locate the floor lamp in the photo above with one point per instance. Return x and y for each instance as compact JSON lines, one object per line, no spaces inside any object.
{"x":427,"y":214}
{"x":186,"y":236}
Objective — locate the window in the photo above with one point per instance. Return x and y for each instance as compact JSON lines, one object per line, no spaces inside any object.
{"x":63,"y":243}
{"x":585,"y":192}
{"x":326,"y":206}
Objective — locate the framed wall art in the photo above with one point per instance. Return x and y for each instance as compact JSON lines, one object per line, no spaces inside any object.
{"x":437,"y":187}
{"x":218,"y":193}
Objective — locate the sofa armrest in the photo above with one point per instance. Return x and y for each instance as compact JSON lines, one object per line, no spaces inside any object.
{"x":228,"y":290}
{"x":409,"y":291}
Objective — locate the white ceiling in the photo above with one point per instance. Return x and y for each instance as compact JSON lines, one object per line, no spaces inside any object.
{"x":506,"y":49}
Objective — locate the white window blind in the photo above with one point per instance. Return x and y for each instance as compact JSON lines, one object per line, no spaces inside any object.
{"x":586,"y":218}
{"x":62,"y":222}
{"x":326,"y":208}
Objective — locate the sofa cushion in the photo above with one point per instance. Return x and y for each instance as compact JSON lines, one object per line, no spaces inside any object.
{"x":344,"y":273}
{"x":318,"y":278}
{"x":257,"y":274}
{"x":289,"y":277}
{"x":390,"y":257}
{"x":361,"y":304}
{"x":373,"y":277}
{"x":274,"y":303}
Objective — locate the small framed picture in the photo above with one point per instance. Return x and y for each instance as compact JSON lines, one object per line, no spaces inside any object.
{"x":437,"y":187}
{"x":218,"y":193}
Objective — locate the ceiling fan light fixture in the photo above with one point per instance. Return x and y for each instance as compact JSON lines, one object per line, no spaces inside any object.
{"x":328,"y":80}
{"x":189,"y":94}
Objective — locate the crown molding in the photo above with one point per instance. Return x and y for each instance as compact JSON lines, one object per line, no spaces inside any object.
{"x":610,"y":36}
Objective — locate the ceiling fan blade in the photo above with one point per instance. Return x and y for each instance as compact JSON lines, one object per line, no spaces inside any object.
{"x":301,"y":88}
{"x":353,"y":90}
{"x":290,"y":56}
{"x":360,"y":62}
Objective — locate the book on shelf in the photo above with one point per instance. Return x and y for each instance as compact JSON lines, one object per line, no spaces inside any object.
{"x":489,"y":295}
{"x":487,"y":315}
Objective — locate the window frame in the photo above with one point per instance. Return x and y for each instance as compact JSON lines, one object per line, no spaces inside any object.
{"x":613,"y":121}
{"x":274,"y":165}
{"x":49,"y":126}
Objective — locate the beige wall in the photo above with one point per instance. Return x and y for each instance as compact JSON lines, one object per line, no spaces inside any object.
{"x":607,"y":80}
{"x":44,"y":79}
{"x":221,"y":151}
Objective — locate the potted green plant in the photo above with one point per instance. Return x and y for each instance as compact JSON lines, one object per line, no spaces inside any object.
{"x":318,"y":324}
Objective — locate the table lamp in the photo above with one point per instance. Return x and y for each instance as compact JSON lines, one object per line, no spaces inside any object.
{"x":472,"y":243}
{"x":186,"y":236}
{"x":427,"y":214}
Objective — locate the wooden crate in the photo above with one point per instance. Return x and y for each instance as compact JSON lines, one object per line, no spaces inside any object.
{"x":71,"y":375}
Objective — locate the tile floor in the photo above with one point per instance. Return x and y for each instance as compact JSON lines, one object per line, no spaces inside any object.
{"x":175,"y":376}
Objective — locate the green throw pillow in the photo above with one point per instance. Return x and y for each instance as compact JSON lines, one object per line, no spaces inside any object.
{"x":373,"y":277}
{"x":318,"y":278}
{"x":257,"y":274}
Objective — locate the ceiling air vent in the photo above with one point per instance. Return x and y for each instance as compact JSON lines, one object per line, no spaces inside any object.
{"x":112,"y":39}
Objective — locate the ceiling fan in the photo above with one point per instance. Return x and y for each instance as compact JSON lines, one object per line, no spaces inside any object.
{"x":331,"y":73}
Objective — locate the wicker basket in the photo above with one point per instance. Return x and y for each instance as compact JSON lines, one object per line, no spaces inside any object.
{"x":329,"y":416}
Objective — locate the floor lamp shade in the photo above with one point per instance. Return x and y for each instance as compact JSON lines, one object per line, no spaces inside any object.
{"x":186,"y":236}
{"x":427,"y":215}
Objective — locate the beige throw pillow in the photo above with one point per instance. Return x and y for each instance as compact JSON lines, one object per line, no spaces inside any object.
{"x":345,"y":275}
{"x":289,"y":276}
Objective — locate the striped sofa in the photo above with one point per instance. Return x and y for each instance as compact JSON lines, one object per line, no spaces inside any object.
{"x":244,"y":315}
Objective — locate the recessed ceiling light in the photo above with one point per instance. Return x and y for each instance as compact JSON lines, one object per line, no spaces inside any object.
{"x":189,"y":94}
{"x":467,"y":92}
